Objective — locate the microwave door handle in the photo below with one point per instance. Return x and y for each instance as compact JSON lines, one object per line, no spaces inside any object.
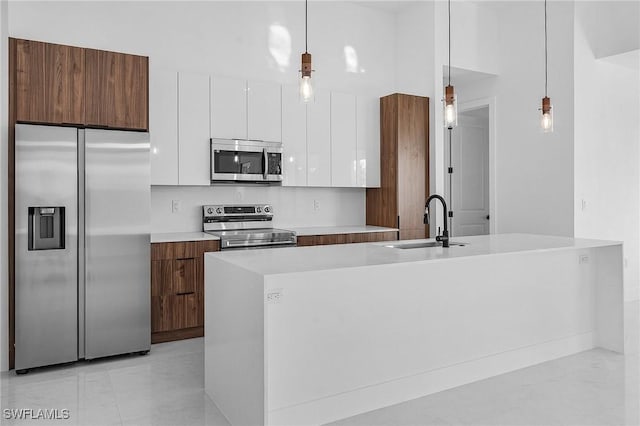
{"x":265,"y":163}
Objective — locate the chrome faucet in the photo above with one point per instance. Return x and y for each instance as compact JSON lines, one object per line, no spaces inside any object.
{"x":444,"y":238}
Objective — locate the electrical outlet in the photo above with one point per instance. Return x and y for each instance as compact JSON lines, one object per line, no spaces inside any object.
{"x":176,"y":206}
{"x":316,"y":205}
{"x":584,"y":258}
{"x":273,"y":296}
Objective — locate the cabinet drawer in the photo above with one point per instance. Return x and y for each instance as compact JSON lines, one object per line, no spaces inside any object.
{"x":361,"y":237}
{"x":176,"y":312}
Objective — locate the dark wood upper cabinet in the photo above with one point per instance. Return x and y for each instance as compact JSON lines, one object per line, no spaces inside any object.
{"x":49,"y":83}
{"x":404,"y":165}
{"x":116,"y":90}
{"x":57,"y":84}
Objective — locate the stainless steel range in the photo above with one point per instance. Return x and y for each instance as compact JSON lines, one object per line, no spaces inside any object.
{"x":245,"y":227}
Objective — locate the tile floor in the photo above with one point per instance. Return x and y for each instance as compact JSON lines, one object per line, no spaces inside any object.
{"x":596,"y":387}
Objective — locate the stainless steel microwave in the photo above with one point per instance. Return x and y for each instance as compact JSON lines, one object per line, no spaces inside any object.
{"x":237,"y":160}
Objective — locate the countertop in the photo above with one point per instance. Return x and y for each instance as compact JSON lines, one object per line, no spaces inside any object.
{"x":172,"y":237}
{"x":330,"y":230}
{"x":316,"y":258}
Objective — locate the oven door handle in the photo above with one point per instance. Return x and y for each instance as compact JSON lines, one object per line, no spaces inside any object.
{"x":265,"y":163}
{"x":229,"y":244}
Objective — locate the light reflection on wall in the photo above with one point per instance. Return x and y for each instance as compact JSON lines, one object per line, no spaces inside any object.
{"x":280,"y":46}
{"x":351,"y":60}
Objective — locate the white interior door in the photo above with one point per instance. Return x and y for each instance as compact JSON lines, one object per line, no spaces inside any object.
{"x":470,"y":183}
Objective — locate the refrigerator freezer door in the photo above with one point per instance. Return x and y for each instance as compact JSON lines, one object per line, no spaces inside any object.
{"x":117,"y":243}
{"x":46,"y":298}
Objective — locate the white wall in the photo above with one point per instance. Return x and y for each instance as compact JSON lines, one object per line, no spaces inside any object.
{"x":415,"y":59}
{"x":534,"y":171}
{"x":607,"y":156}
{"x":225,"y":37}
{"x":292,"y":206}
{"x":233,"y":38}
{"x":4,"y":119}
{"x":415,"y":38}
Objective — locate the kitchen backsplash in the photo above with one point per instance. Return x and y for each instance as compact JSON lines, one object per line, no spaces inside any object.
{"x":178,"y":209}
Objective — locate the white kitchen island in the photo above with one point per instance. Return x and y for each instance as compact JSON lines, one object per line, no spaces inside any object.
{"x":309,"y":335}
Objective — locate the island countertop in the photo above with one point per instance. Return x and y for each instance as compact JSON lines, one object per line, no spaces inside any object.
{"x":318,"y":258}
{"x":311,"y":335}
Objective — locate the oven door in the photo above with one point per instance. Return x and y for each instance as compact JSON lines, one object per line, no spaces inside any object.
{"x":249,"y":161}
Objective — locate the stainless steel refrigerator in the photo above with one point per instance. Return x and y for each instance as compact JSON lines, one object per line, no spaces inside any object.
{"x":82,"y":282}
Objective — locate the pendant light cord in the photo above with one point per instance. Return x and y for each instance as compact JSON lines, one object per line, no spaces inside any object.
{"x":450,"y":219}
{"x":449,"y":16}
{"x":306,"y":49}
{"x":545,"y":48}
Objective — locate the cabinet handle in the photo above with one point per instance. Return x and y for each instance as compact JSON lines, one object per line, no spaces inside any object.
{"x":184,"y":293}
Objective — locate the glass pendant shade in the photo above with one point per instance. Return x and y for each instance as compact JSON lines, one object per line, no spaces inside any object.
{"x":450,"y":111}
{"x":306,"y":83}
{"x":546,"y":121}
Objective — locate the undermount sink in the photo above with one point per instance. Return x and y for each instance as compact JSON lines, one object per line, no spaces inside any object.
{"x":423,"y":245}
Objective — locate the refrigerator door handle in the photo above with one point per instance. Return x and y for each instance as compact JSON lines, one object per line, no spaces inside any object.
{"x":82,"y":270}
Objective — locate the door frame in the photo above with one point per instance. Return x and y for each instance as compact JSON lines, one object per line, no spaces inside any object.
{"x":489,"y":102}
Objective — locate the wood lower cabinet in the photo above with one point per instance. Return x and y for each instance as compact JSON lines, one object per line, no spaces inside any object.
{"x":49,"y":82}
{"x":116,"y":90}
{"x":363,"y":237}
{"x":177,"y":289}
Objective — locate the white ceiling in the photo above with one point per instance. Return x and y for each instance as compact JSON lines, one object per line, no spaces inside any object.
{"x":611,"y":27}
{"x":628,"y":59}
{"x":461,"y":76}
{"x":479,"y":113}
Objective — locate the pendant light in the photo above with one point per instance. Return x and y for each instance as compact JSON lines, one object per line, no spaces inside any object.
{"x":306,"y":84}
{"x":450,"y":112}
{"x":546,"y":121}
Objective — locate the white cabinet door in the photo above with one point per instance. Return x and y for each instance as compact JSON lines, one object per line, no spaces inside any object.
{"x":193,"y":129}
{"x":368,"y":141}
{"x":264,"y":108}
{"x":228,"y":108}
{"x":319,"y":140}
{"x":343,"y":140}
{"x":294,"y":138}
{"x":163,"y":126}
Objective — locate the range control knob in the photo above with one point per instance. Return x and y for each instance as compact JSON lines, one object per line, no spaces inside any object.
{"x":219,"y":210}
{"x":267,"y":209}
{"x":258,"y":210}
{"x":209,"y":210}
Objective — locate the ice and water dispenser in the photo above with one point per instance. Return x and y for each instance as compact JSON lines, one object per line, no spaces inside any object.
{"x":46,"y":228}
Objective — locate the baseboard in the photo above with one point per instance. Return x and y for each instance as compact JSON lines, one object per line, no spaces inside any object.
{"x":183,"y":333}
{"x":370,"y":398}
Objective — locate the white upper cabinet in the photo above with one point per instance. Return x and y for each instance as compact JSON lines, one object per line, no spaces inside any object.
{"x":228,"y":108}
{"x":319,"y":140}
{"x":163,"y":126}
{"x":193,"y":129}
{"x":294,"y":138}
{"x":343,"y":140}
{"x":332,"y":141}
{"x":368,"y":141}
{"x":264,"y":108}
